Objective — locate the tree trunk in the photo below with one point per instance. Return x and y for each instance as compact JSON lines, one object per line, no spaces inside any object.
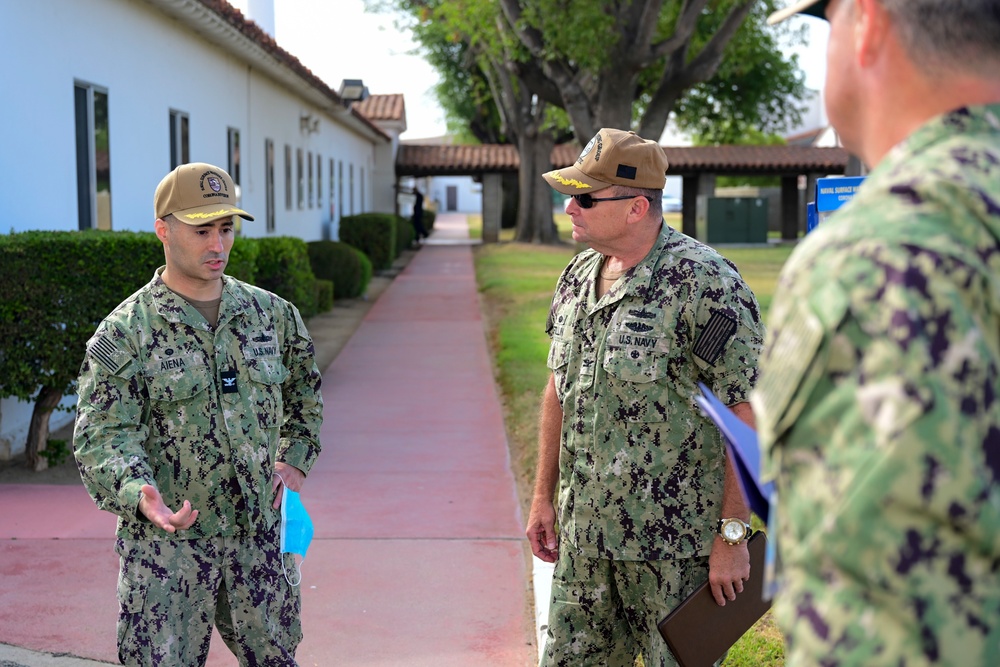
{"x":38,"y":431}
{"x":508,"y":212}
{"x":535,"y":223}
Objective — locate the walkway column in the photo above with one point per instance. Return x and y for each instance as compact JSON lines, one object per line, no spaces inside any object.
{"x":790,"y":223}
{"x":694,"y":185}
{"x":492,"y":207}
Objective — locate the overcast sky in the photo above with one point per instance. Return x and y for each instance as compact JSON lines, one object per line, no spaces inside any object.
{"x":338,"y":40}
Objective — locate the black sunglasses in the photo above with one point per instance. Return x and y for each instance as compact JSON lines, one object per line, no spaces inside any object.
{"x":588,"y":201}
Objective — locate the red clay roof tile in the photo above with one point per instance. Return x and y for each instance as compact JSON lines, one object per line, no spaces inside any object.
{"x":444,"y":160}
{"x":382,"y":107}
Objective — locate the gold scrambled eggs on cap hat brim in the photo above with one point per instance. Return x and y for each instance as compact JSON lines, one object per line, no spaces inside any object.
{"x":197,"y":193}
{"x":571,"y":181}
{"x":203,"y":214}
{"x":810,"y":7}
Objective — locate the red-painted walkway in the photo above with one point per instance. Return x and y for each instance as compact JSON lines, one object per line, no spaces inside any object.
{"x":418,"y":555}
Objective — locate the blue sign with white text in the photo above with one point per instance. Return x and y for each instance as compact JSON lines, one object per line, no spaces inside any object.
{"x":832,"y":193}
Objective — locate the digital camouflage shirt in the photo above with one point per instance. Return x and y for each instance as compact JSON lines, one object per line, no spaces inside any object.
{"x":201,"y":414}
{"x":879,"y":412}
{"x":641,"y":469}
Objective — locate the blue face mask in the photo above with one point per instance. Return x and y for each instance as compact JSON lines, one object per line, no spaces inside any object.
{"x":296,"y":530}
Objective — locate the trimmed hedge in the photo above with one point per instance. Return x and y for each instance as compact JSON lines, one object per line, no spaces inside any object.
{"x":348,"y":268}
{"x":428,"y":220}
{"x":55,"y":288}
{"x":404,"y":234}
{"x":324,"y":295}
{"x":373,"y":234}
{"x":283,"y":268}
{"x":243,"y":260}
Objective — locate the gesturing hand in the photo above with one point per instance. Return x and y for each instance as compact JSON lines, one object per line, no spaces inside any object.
{"x":152,"y":507}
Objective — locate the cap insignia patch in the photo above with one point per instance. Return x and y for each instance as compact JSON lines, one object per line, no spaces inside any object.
{"x":596,"y":141}
{"x":625,"y":171}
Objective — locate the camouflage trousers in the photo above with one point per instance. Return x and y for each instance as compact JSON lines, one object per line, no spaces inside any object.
{"x":171,"y":593}
{"x":605,"y":612}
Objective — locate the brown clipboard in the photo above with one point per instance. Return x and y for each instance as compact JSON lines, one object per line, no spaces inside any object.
{"x":699,"y":631}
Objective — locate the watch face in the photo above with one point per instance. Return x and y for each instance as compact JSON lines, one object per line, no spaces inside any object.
{"x":733,"y":531}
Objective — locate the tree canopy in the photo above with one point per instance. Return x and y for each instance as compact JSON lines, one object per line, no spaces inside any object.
{"x":544,"y":70}
{"x":714,"y":64}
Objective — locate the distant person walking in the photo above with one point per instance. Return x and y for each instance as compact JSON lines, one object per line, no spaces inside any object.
{"x":418,"y":216}
{"x":199,"y":400}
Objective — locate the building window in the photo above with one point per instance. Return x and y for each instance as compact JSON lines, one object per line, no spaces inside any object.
{"x":269,"y":183}
{"x":340,"y":187}
{"x":234,"y":154}
{"x":309,"y":167}
{"x":299,"y":179}
{"x":288,"y":177}
{"x":179,"y":153}
{"x":319,"y":181}
{"x":364,"y":194}
{"x":332,"y":190}
{"x":93,"y":157}
{"x":350,"y":186}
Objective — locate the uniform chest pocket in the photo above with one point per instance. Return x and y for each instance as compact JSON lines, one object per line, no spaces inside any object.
{"x":634,"y":365}
{"x":558,"y":355}
{"x":637,"y":345}
{"x":267,"y":376}
{"x":636,"y":389}
{"x":179,"y":401}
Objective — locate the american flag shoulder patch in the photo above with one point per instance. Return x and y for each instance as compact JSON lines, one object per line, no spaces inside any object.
{"x":104,"y":352}
{"x":714,"y":336}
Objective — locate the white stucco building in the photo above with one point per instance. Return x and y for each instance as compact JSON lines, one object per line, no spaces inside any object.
{"x":104,"y":97}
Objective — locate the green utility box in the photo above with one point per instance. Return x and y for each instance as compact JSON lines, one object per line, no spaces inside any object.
{"x":731,"y":220}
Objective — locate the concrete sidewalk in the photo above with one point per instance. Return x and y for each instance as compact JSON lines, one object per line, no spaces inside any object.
{"x":418,"y":557}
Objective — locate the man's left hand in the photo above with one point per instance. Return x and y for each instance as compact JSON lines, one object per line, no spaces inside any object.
{"x":728,"y":568}
{"x":292,"y":477}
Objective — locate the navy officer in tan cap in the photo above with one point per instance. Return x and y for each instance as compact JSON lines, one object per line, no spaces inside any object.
{"x":648,"y":505}
{"x":199,"y":397}
{"x":879,"y":400}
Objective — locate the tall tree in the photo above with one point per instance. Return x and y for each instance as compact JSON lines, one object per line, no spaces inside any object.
{"x":470,"y":47}
{"x":627,"y":64}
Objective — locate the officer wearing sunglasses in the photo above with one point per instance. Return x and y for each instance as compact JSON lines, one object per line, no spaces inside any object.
{"x":636,"y":322}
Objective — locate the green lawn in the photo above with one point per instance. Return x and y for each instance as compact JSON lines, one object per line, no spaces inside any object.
{"x":516,"y":283}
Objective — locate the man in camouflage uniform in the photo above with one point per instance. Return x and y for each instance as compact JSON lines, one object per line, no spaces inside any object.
{"x":195,"y":394}
{"x":879,"y":400}
{"x":636,"y":323}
